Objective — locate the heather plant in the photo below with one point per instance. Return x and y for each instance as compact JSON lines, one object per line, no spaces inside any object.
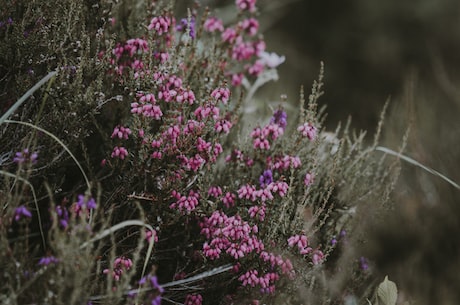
{"x":128,"y":179}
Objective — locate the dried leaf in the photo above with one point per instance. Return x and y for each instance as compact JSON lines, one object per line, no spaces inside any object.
{"x":387,"y":293}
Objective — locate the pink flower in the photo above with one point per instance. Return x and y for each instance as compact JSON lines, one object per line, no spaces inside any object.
{"x":257,"y":68}
{"x":121,"y":132}
{"x":229,"y":35}
{"x":264,"y":194}
{"x":237,"y":79}
{"x":174,"y":81}
{"x":247,"y":192}
{"x":257,"y":212}
{"x":160,"y":24}
{"x":229,"y":200}
{"x":279,"y":187}
{"x":203,"y":112}
{"x":215,"y":191}
{"x":153,"y":111}
{"x":246,"y":5}
{"x":119,"y":152}
{"x":223,"y":126}
{"x":317,"y":257}
{"x":301,"y":242}
{"x":185,"y":203}
{"x":259,"y":46}
{"x":193,"y":299}
{"x":141,"y":133}
{"x":149,"y":234}
{"x":308,"y":130}
{"x":308,"y":180}
{"x":213,"y":24}
{"x":250,"y":25}
{"x":250,"y":278}
{"x":193,"y":163}
{"x":167,"y":95}
{"x":193,"y":127}
{"x":221,"y":94}
{"x":243,"y":51}
{"x":285,"y":162}
{"x":216,"y":151}
{"x":120,"y":265}
{"x":185,"y":96}
{"x":136,"y":45}
{"x":231,"y":235}
{"x":202,"y":145}
{"x":295,"y":162}
{"x":147,"y":98}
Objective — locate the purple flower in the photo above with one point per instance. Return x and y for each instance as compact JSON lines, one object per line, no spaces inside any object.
{"x":48,"y":260}
{"x":63,"y":216}
{"x":21,"y":212}
{"x":25,"y":156}
{"x":333,"y":241}
{"x":363,"y":263}
{"x":266,"y":178}
{"x":184,"y":24}
{"x":153,"y":280}
{"x":156,"y":300}
{"x":279,"y":117}
{"x":154,"y":283}
{"x":89,"y":203}
{"x":7,"y":22}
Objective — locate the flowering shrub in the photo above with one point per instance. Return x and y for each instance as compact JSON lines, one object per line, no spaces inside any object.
{"x":233,"y":219}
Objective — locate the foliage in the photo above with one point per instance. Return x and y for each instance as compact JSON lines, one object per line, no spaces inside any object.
{"x":149,"y":108}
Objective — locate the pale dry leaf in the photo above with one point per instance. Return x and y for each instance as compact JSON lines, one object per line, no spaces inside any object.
{"x":387,"y":293}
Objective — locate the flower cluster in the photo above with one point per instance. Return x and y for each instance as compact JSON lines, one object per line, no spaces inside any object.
{"x":84,"y":203}
{"x":230,"y":235}
{"x":62,"y":215}
{"x":301,"y":241}
{"x":185,"y":203}
{"x":25,"y":156}
{"x":193,"y":299}
{"x":177,"y":123}
{"x":120,"y":266}
{"x":244,"y":47}
{"x":186,"y":24}
{"x":308,"y":130}
{"x":20,"y":212}
{"x":266,"y":279}
{"x":48,"y":260}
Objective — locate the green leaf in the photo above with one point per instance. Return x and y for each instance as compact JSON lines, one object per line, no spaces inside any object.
{"x":387,"y":293}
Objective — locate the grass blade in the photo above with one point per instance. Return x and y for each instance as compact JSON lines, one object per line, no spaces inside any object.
{"x":57,"y":140}
{"x":26,"y":96}
{"x":122,"y":225}
{"x":416,"y":163}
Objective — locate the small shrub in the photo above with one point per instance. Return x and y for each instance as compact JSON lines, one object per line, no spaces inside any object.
{"x":152,"y":111}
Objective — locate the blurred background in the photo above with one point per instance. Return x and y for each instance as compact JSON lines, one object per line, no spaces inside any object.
{"x":407,"y":52}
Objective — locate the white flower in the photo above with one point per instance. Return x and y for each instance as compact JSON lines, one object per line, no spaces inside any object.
{"x":271,"y":60}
